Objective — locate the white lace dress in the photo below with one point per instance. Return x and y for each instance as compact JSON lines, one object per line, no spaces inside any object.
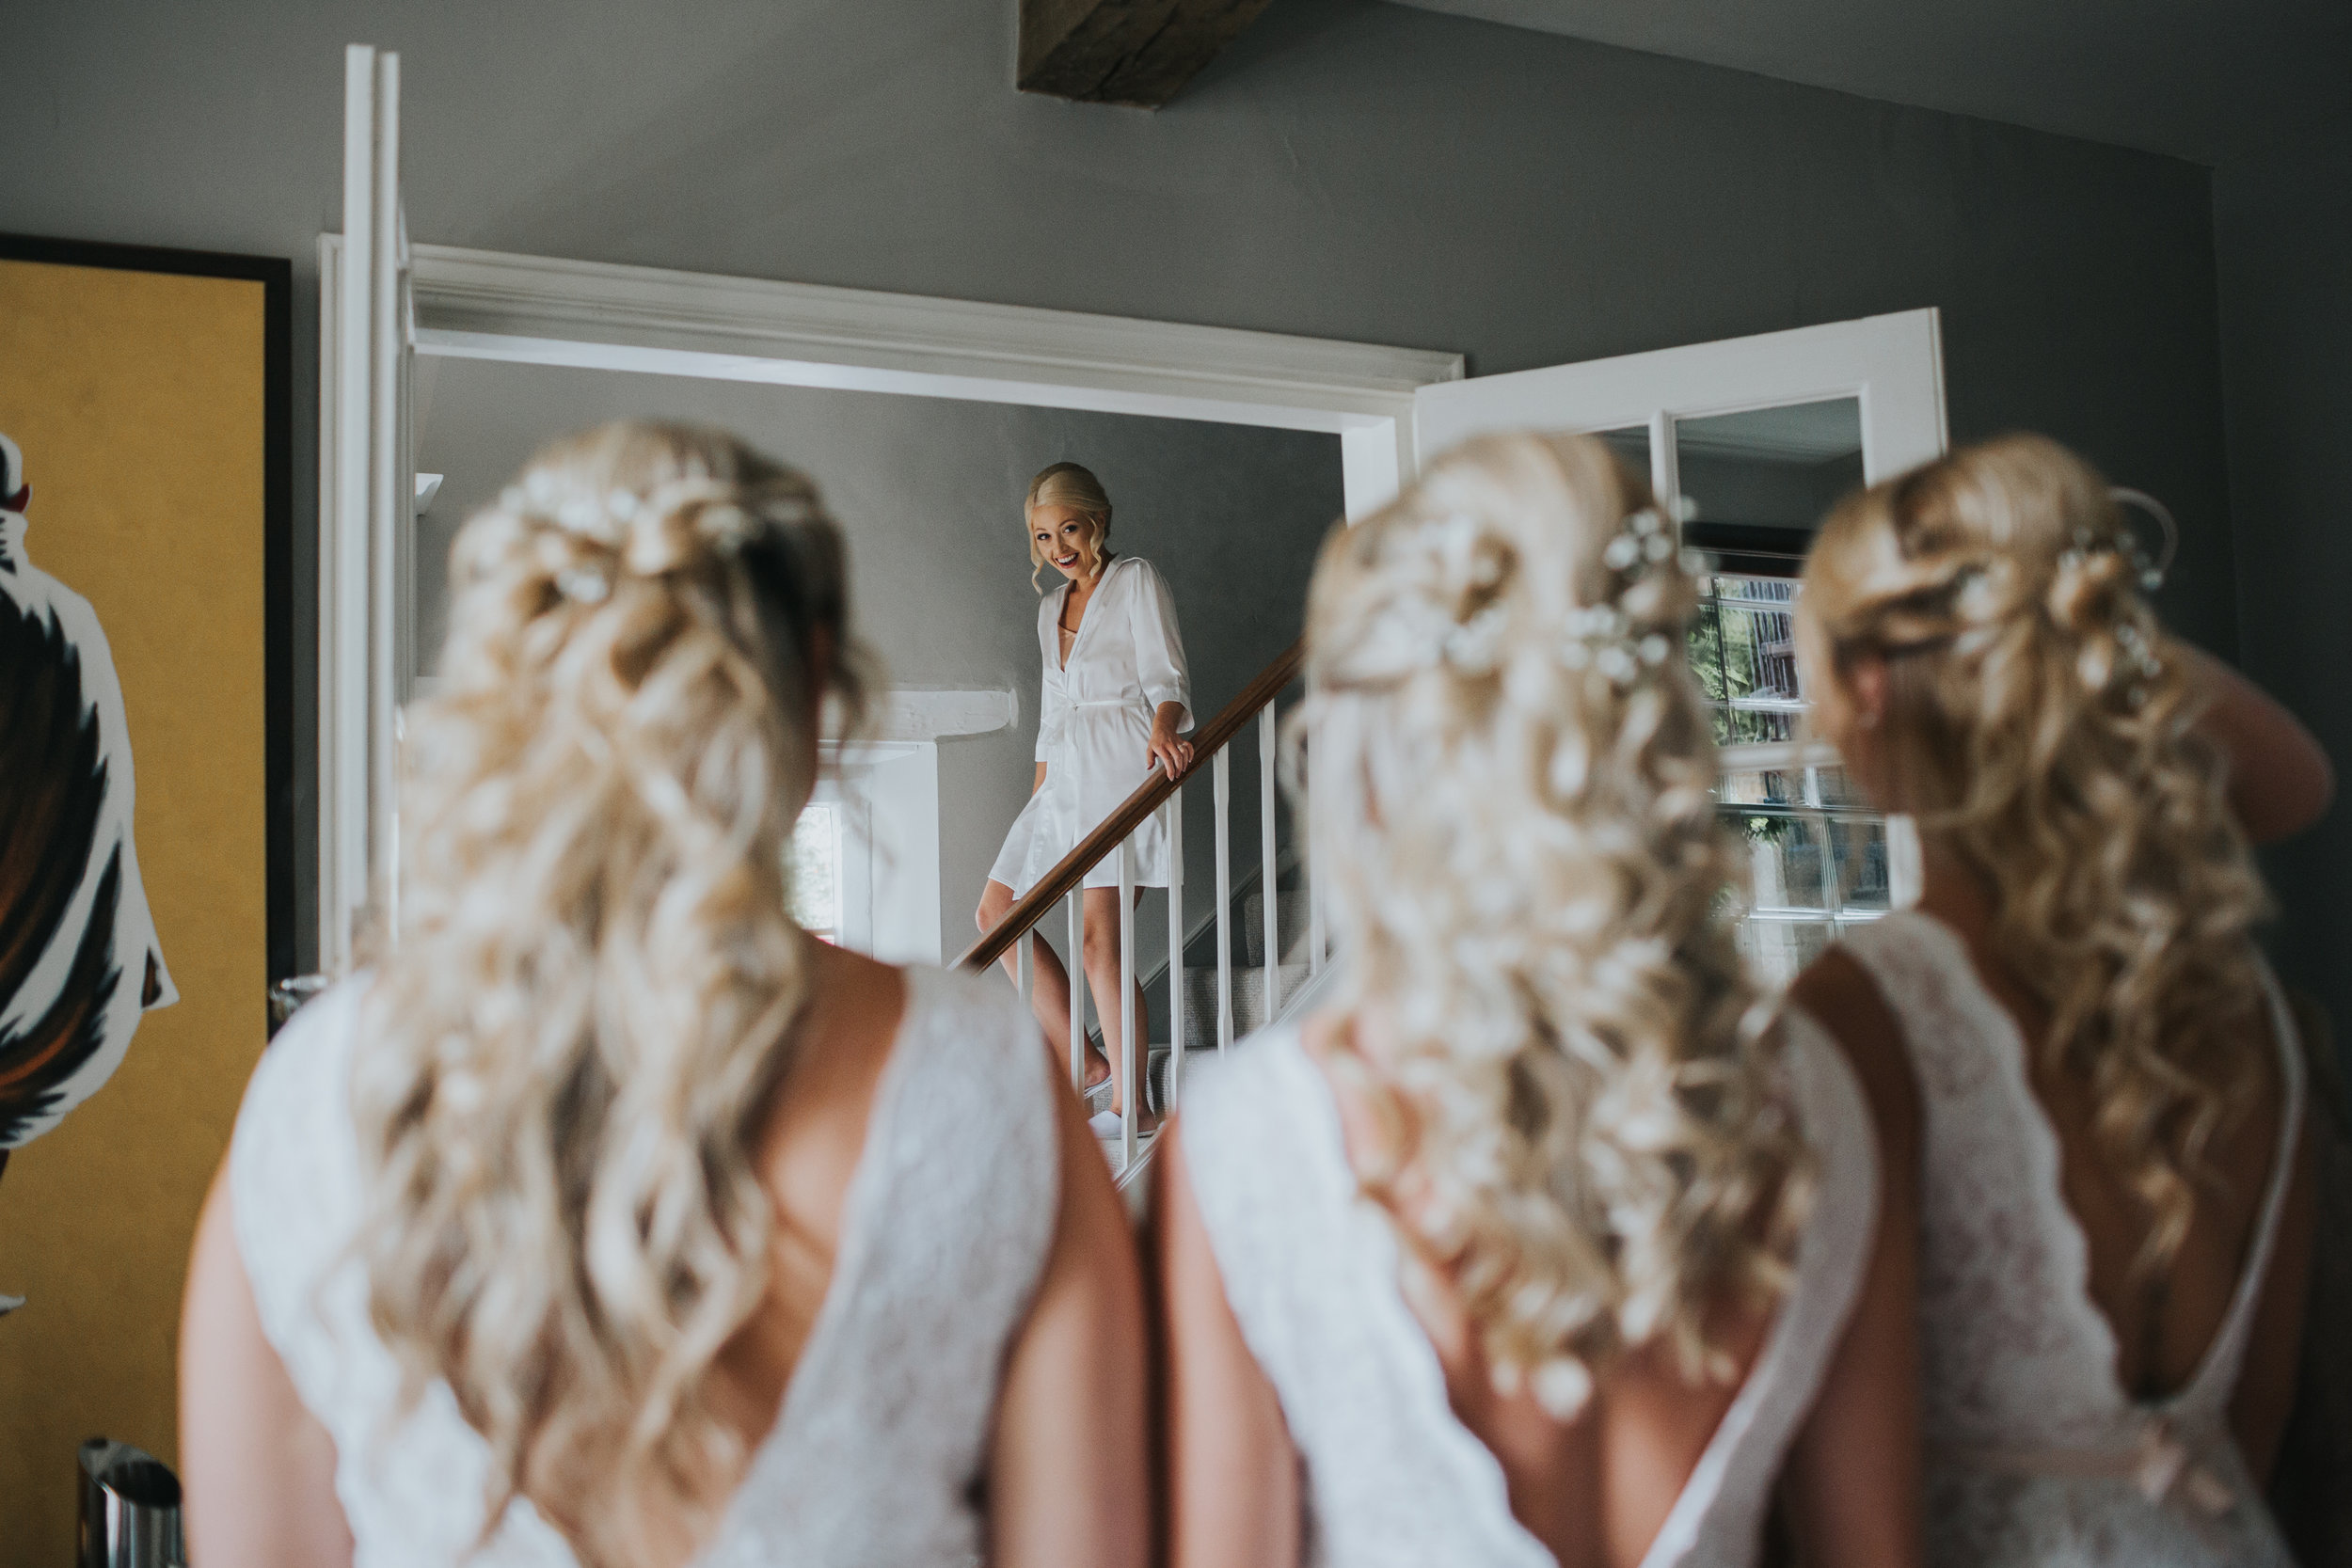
{"x":1392,"y":1477}
{"x":2036,"y":1455}
{"x":879,"y":1455}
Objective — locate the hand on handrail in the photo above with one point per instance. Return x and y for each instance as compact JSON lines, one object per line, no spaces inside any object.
{"x":1169,"y":752}
{"x":1148,"y":797}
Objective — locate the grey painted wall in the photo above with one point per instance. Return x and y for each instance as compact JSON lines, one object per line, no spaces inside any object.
{"x":1349,"y":169}
{"x":929,"y":493}
{"x":2285,"y":226}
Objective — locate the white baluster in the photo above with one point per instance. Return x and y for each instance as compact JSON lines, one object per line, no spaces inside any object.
{"x":1267,"y":872}
{"x":1315,"y":938}
{"x":1175,"y":946}
{"x":1131,"y":1091}
{"x":1021,"y":967}
{"x":1221,"y":794}
{"x":1074,"y":967}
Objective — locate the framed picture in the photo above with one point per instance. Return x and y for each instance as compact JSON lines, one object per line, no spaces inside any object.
{"x":146,"y":894}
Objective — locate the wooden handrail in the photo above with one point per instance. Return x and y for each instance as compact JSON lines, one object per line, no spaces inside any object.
{"x":1055,"y":885}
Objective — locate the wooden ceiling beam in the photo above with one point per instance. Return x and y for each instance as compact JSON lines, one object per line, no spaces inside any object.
{"x":1139,"y":53}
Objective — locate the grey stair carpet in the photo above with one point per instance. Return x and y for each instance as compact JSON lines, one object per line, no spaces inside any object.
{"x":1290,"y":914}
{"x":1249,"y":1010}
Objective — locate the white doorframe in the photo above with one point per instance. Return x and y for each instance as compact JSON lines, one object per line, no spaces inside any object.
{"x":483,"y":305}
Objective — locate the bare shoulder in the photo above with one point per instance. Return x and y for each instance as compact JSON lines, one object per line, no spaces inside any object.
{"x":1836,"y":992}
{"x":816,"y":1128}
{"x":852,"y":994}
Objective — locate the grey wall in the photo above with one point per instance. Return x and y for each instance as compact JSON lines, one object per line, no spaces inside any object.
{"x":1349,"y":169}
{"x":2285,"y":227}
{"x":928,"y":494}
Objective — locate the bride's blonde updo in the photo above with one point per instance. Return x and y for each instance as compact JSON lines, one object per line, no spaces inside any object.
{"x":1509,"y":773}
{"x":576,"y":1028}
{"x":1073,"y":485}
{"x":2036,"y":726}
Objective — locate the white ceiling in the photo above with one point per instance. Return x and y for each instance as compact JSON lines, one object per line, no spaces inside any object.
{"x":2197,"y":79}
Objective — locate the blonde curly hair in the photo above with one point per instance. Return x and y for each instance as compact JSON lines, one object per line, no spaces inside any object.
{"x":1510,"y":774}
{"x":590,"y":998}
{"x":2037,"y":728}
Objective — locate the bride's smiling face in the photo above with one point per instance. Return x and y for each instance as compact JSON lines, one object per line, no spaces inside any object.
{"x":1067,"y":538}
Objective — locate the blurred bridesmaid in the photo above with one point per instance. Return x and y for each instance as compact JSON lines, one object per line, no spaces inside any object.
{"x":611,"y":1218}
{"x":2105,"y":1139}
{"x":1551,"y":1243}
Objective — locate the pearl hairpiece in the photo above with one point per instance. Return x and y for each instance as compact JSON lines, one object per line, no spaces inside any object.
{"x":1600,"y":636}
{"x":2138,"y":656}
{"x":723,"y":521}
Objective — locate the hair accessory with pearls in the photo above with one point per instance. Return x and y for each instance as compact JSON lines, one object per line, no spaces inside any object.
{"x":2139,"y":657}
{"x":583,"y":584}
{"x":2150,"y":574}
{"x":1604,"y":636}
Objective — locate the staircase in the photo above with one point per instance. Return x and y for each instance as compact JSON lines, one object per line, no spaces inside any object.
{"x":1223,"y":970}
{"x":1247,"y":978}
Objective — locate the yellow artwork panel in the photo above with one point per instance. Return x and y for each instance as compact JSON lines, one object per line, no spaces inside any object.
{"x":139,"y":399}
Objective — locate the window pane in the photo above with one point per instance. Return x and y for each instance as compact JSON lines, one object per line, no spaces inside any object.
{"x":1859,"y":842}
{"x":1743,"y":650}
{"x":1632,"y":444}
{"x":1771,"y":468}
{"x":1761,"y":480}
{"x":1783,"y":861}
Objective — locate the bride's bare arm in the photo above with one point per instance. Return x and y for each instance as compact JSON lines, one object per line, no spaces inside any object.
{"x":1068,"y":1481}
{"x":259,"y":1469}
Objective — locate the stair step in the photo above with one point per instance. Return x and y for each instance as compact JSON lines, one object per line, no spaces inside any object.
{"x":1290,"y":916}
{"x":1249,"y":1012}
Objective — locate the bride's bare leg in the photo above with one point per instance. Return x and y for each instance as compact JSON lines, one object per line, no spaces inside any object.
{"x":1049,"y":985}
{"x":1101,"y":961}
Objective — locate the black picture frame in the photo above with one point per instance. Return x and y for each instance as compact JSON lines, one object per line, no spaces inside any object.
{"x":276,"y":275}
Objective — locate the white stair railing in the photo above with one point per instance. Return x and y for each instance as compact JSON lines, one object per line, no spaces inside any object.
{"x":1065,"y":884}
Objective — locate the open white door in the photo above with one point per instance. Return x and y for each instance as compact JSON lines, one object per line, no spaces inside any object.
{"x":1891,"y":369}
{"x":1755,"y":438}
{"x":366,"y":497}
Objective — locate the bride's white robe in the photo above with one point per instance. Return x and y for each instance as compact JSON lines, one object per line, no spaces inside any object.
{"x":1094,"y":725}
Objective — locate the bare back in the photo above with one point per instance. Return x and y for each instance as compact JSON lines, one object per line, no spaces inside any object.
{"x":2069,"y":1410}
{"x":2164,"y":1325}
{"x":1328,"y":1404}
{"x":919,"y":1248}
{"x":1595,"y":1489}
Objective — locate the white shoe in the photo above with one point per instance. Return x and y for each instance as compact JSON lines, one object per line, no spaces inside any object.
{"x":1106,"y":1124}
{"x":10,"y":1303}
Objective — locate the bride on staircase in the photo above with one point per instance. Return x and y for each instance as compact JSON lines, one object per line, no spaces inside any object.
{"x":1551,"y":1243}
{"x":610,"y":1219}
{"x":1115,"y":704}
